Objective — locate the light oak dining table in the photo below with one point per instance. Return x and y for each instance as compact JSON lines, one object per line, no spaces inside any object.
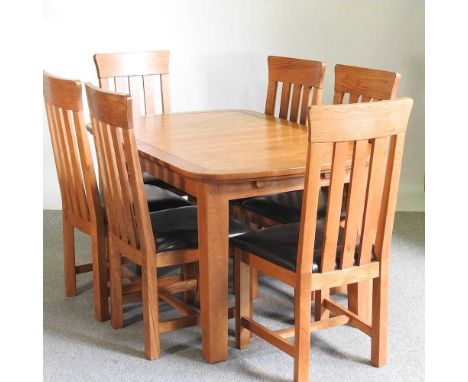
{"x":216,"y":157}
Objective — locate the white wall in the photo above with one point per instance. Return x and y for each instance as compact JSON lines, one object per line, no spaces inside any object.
{"x":219,"y":50}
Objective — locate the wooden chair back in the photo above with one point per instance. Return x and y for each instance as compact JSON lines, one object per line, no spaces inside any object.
{"x":73,"y":160}
{"x":302,"y":85}
{"x":371,"y":199}
{"x":364,"y":85}
{"x":141,"y":74}
{"x":119,"y":168}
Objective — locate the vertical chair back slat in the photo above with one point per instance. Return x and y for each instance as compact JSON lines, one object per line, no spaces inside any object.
{"x":373,"y":202}
{"x":373,"y":186}
{"x":166,"y":104}
{"x":60,"y":162}
{"x":316,"y":98}
{"x":353,"y":98}
{"x":117,"y":139}
{"x":136,"y":73}
{"x":334,"y":206}
{"x":70,"y":182}
{"x":306,"y":101}
{"x":338,"y":98}
{"x":295,"y":102}
{"x":303,"y":76}
{"x":72,"y":155}
{"x":77,"y":177}
{"x":271,"y":97}
{"x":285,"y":97}
{"x":118,"y":161}
{"x":309,"y":208}
{"x":365,"y":84}
{"x":356,"y":198}
{"x":389,"y":197}
{"x":118,"y":202}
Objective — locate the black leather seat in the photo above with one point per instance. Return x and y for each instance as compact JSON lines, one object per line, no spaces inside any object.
{"x":161,"y":199}
{"x":177,"y":228}
{"x":278,"y":244}
{"x":150,"y":179}
{"x":284,"y":207}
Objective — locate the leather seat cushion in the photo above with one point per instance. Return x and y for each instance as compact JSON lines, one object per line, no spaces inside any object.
{"x":278,"y":244}
{"x":177,"y":228}
{"x":161,"y":199}
{"x":284,"y":207}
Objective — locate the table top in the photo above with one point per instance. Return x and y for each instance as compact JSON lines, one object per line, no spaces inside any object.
{"x":225,"y":145}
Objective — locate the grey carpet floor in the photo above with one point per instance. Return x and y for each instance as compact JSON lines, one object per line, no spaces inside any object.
{"x":77,"y":348}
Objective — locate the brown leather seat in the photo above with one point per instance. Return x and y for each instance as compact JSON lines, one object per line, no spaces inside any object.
{"x":278,"y":244}
{"x":177,"y":228}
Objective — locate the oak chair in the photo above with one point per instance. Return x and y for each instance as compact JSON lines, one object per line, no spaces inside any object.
{"x":318,"y":254}
{"x":145,"y":76}
{"x":81,"y":206}
{"x":352,"y":84}
{"x":155,"y":240}
{"x":140,"y":74}
{"x":301,"y":86}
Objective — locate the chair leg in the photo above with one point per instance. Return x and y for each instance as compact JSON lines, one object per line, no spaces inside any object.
{"x":243,"y":300}
{"x":189,"y":271}
{"x":379,"y":321}
{"x":254,"y":283}
{"x":115,"y":270}
{"x":320,"y":311}
{"x":150,"y":311}
{"x":359,"y":297}
{"x":302,"y":315}
{"x":253,"y":272}
{"x":69,"y":258}
{"x":101,"y":303}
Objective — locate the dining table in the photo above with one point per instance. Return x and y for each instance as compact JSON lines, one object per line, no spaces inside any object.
{"x":216,"y":157}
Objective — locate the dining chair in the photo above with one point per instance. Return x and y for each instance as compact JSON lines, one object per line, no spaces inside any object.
{"x":318,"y":254}
{"x":145,"y":76}
{"x":302,"y":86}
{"x":81,"y":204}
{"x":301,"y":83}
{"x":304,"y":80}
{"x":152,"y":241}
{"x":352,"y":84}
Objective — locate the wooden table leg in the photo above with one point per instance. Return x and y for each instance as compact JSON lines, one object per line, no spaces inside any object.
{"x":213,"y":226}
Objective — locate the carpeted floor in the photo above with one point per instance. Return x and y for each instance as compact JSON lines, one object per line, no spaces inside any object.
{"x":77,"y":348}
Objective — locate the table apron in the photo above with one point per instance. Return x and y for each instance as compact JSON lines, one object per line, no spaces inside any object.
{"x":231,"y":189}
